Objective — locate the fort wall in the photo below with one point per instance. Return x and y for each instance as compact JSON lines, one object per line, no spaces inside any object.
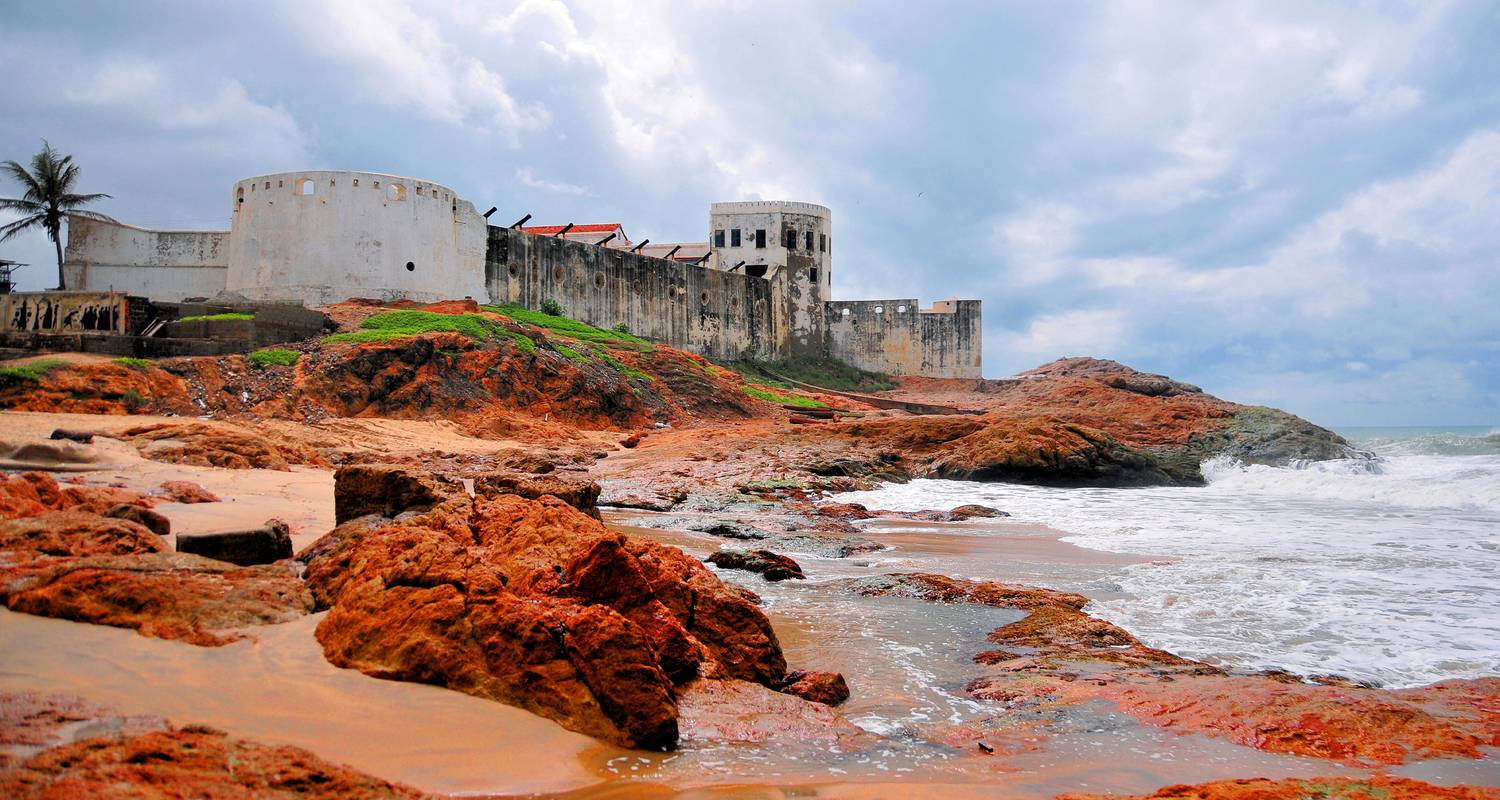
{"x":711,"y":312}
{"x":323,"y":236}
{"x":899,"y":338}
{"x":164,"y":265}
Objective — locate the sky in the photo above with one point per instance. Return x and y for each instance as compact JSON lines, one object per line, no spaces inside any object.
{"x":1295,"y":204}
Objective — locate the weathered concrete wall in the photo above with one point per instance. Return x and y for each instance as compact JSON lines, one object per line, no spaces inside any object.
{"x":714,"y":313}
{"x":898,"y":338}
{"x":321,"y":237}
{"x":952,"y":339}
{"x":65,"y":312}
{"x":164,"y":265}
{"x":789,"y":243}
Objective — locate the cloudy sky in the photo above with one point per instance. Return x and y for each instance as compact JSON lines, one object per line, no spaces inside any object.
{"x":1287,"y":203}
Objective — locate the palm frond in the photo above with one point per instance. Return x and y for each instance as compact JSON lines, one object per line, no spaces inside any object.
{"x":20,"y":175}
{"x":21,"y":206}
{"x":20,"y":226}
{"x":70,"y":200}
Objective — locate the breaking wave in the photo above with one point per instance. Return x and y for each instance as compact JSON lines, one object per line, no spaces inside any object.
{"x":1385,"y":570}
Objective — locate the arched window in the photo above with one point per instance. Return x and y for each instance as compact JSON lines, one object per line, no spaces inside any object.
{"x":306,"y":186}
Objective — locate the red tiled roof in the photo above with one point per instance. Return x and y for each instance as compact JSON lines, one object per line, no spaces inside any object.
{"x":548,"y":230}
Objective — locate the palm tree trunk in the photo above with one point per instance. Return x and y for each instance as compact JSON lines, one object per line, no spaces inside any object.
{"x":62,"y":282}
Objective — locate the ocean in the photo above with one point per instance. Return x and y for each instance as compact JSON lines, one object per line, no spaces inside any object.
{"x":1384,"y":570}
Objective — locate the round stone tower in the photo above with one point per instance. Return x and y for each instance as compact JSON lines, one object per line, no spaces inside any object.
{"x":323,"y":236}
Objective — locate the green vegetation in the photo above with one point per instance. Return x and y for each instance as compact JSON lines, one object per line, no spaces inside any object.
{"x":620,"y":366}
{"x":828,"y":373}
{"x":134,"y":363}
{"x":572,"y":328}
{"x":571,"y":354}
{"x":31,"y":372}
{"x":279,"y":356}
{"x":552,"y":308}
{"x":133,"y":400}
{"x":388,"y":325}
{"x":225,"y":317}
{"x":621,"y":327}
{"x":781,"y":398}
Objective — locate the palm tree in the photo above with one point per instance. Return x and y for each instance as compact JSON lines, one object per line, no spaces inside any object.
{"x":49,"y":197}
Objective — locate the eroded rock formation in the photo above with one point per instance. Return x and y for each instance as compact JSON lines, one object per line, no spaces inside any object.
{"x":530,"y":602}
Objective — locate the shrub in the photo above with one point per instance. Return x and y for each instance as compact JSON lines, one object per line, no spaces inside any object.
{"x":133,"y":400}
{"x":226,"y":317}
{"x":279,"y":356}
{"x":134,"y":363}
{"x":552,"y":308}
{"x":621,"y":327}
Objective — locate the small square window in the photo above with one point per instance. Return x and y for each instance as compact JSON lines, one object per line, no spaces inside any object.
{"x":734,"y":238}
{"x":822,"y":243}
{"x":760,"y":238}
{"x":718,"y":238}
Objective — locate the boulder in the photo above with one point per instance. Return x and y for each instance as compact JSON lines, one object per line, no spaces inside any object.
{"x":362,"y":489}
{"x":529,"y":602}
{"x":974,"y":511}
{"x":81,"y":437}
{"x":185,"y":492}
{"x":580,"y":494}
{"x":828,"y":688}
{"x":773,"y":566}
{"x":151,"y":520}
{"x":269,"y":543}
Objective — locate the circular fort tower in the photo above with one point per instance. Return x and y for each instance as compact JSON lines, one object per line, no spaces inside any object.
{"x":789,"y":243}
{"x":319,"y":237}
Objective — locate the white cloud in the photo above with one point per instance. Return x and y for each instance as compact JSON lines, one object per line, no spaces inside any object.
{"x":528,"y":178}
{"x":402,"y":58}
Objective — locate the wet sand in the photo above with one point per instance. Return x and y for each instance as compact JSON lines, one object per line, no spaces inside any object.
{"x":280,"y":689}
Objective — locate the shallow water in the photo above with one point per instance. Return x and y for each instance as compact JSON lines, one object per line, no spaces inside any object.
{"x":1387,"y":571}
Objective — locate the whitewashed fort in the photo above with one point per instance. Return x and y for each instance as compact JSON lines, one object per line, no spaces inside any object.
{"x":760,"y":285}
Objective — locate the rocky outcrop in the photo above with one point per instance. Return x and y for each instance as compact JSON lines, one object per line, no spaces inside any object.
{"x":164,"y":595}
{"x":33,"y":493}
{"x":112,"y":570}
{"x":218,"y":445}
{"x":527,"y":601}
{"x":580,"y":494}
{"x":188,"y":762}
{"x":1057,"y":656}
{"x":267,"y":544}
{"x":99,"y":388}
{"x":772,"y":566}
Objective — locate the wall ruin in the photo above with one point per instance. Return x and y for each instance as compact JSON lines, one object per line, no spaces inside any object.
{"x":898,"y":338}
{"x":162,"y":265}
{"x":713,"y":313}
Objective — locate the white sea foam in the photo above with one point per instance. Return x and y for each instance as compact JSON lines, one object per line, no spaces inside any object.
{"x":1390,"y":574}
